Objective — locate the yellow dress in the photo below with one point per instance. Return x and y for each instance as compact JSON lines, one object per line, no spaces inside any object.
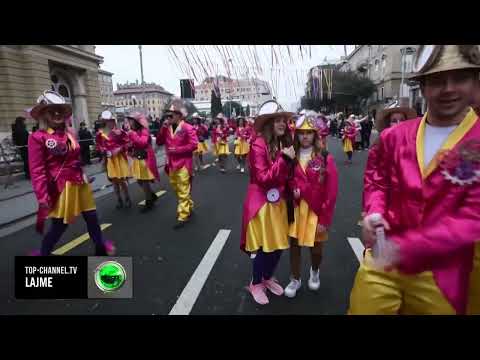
{"x":304,"y":227}
{"x":202,"y":148}
{"x":222,"y":148}
{"x":74,"y":199}
{"x":242,"y":147}
{"x":268,"y":230}
{"x":141,"y":171}
{"x":117,"y":167}
{"x":347,"y":145}
{"x":473,"y":307}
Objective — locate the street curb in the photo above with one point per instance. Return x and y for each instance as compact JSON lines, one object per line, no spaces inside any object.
{"x":12,"y":222}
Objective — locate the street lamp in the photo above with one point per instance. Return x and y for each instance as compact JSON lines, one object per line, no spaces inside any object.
{"x":143,"y":82}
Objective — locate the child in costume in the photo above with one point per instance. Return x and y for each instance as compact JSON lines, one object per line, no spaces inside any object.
{"x":348,"y":137}
{"x":242,"y":146}
{"x":202,"y":148}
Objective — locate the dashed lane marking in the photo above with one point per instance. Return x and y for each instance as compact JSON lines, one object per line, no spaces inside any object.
{"x":75,"y":242}
{"x":357,"y":247}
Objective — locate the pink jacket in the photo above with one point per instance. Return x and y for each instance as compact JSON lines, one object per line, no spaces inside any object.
{"x":52,"y":163}
{"x":242,"y":133}
{"x":265,"y":174}
{"x":185,"y":143}
{"x":350,"y":133}
{"x":434,"y":221}
{"x":320,"y":197}
{"x":112,"y":142}
{"x":141,"y":140}
{"x":201,"y":131}
{"x":221,"y":134}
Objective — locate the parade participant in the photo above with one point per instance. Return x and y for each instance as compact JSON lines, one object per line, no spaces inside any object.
{"x":144,"y":165}
{"x":426,"y":196}
{"x":180,"y":140}
{"x":60,"y":185}
{"x":265,"y":222}
{"x":348,"y":136}
{"x":315,"y":186}
{"x":213,"y":133}
{"x":202,"y":148}
{"x":223,"y":151}
{"x":323,"y":131}
{"x":386,"y":118}
{"x":242,"y":146}
{"x":112,"y":143}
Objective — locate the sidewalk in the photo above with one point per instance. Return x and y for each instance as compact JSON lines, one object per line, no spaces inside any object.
{"x":19,"y":202}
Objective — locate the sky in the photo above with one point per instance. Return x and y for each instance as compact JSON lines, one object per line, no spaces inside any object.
{"x":287,"y":75}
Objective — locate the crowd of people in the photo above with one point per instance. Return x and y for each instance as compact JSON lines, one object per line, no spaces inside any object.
{"x":421,"y":195}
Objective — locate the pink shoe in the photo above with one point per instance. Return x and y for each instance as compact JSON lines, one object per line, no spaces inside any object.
{"x":258,"y":293}
{"x":273,"y":286}
{"x":110,"y":248}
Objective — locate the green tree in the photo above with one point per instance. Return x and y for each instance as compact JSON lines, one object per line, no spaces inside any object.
{"x":247,"y":111}
{"x":215,"y":104}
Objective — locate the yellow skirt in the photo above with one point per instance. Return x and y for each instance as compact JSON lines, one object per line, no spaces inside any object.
{"x":74,"y":199}
{"x":202,"y":148}
{"x":268,"y":230}
{"x":473,"y":307}
{"x":304,"y":228}
{"x":377,"y":292}
{"x":347,"y":145}
{"x":117,"y":167}
{"x":222,"y":149}
{"x":241,"y":147}
{"x":215,"y":149}
{"x":140,"y":170}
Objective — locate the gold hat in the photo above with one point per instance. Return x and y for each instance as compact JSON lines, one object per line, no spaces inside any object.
{"x":305,"y":123}
{"x":433,"y":59}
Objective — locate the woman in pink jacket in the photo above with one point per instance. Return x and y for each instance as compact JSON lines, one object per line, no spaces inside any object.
{"x":60,"y":185}
{"x":315,"y":186}
{"x":265,"y":222}
{"x":348,"y":137}
{"x":112,"y":143}
{"x":144,"y":166}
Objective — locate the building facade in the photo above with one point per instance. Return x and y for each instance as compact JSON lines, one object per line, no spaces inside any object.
{"x":247,"y":92}
{"x":389,"y":67}
{"x":106,"y":90}
{"x":28,"y":70}
{"x":130,"y":97}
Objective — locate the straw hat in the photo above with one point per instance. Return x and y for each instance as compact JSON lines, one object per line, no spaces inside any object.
{"x":433,"y":59}
{"x":269,"y":110}
{"x":177,"y":106}
{"x":140,"y":118}
{"x":51,"y":100}
{"x":384,"y":115}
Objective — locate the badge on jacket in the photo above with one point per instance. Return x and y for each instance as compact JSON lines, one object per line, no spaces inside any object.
{"x":273,"y":195}
{"x":461,"y":166}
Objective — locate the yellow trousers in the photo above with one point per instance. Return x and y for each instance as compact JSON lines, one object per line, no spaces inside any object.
{"x":377,"y":292}
{"x":180,"y":181}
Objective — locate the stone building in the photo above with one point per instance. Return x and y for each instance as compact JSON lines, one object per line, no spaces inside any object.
{"x":27,"y":70}
{"x":388,"y":66}
{"x":129,"y":97}
{"x":106,"y":90}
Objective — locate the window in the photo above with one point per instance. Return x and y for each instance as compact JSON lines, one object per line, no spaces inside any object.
{"x":153,"y":109}
{"x":381,"y":93}
{"x":384,"y":63}
{"x":408,"y":63}
{"x":376,"y":65}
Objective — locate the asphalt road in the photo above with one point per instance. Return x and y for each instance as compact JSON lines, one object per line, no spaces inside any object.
{"x":167,"y":262}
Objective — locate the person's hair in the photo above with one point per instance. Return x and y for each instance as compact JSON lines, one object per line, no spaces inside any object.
{"x":136,"y":125}
{"x":82,"y":123}
{"x":273,"y":142}
{"x":316,"y":143}
{"x":241,"y":120}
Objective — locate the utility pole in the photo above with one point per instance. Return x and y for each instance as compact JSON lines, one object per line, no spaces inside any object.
{"x":143,"y":82}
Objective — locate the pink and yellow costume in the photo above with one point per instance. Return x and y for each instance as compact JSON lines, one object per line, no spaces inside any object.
{"x":202,"y":132}
{"x":349,"y":138}
{"x":144,"y":165}
{"x":115,"y":145}
{"x":242,"y":146}
{"x":434,"y":213}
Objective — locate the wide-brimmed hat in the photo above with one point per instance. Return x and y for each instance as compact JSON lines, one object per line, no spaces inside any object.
{"x":269,"y":110}
{"x":177,"y":106}
{"x":107,"y":116}
{"x":433,"y":59}
{"x":305,"y":123}
{"x":383,"y":116}
{"x":140,"y":118}
{"x":196,"y":116}
{"x":220,"y":116}
{"x":51,"y":100}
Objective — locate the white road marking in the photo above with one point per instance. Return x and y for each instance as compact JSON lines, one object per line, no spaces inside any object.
{"x":189,"y":295}
{"x":357,"y":247}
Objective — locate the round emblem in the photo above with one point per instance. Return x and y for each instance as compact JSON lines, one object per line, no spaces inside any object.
{"x":273,"y":195}
{"x":109,"y":154}
{"x":110,"y":276}
{"x":51,"y":144}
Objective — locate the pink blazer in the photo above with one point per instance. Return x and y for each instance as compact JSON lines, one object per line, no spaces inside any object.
{"x":140,"y":139}
{"x":184,"y":141}
{"x":434,"y":221}
{"x":112,"y":142}
{"x":265,"y":174}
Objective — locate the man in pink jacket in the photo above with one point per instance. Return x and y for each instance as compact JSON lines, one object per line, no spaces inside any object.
{"x":426,"y":192}
{"x":180,"y":140}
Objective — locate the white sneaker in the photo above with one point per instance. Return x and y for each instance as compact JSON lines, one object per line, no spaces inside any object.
{"x":314,"y":281}
{"x":242,"y":170}
{"x":292,"y":288}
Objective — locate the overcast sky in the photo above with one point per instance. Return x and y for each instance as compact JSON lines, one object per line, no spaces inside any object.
{"x":287,"y":79}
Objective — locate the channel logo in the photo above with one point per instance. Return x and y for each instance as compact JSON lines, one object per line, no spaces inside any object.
{"x":110,"y":277}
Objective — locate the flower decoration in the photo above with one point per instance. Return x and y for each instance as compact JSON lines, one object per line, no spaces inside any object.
{"x":461,"y":166}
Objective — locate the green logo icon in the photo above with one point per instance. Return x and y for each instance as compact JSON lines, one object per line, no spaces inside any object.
{"x":110,"y":276}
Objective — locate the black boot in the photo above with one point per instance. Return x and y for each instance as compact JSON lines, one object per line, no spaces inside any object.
{"x":154,"y":197}
{"x":119,"y":203}
{"x":179,"y":224}
{"x":148,"y":206}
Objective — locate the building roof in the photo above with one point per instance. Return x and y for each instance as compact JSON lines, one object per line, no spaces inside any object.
{"x":139,"y":90}
{"x":101,"y":71}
